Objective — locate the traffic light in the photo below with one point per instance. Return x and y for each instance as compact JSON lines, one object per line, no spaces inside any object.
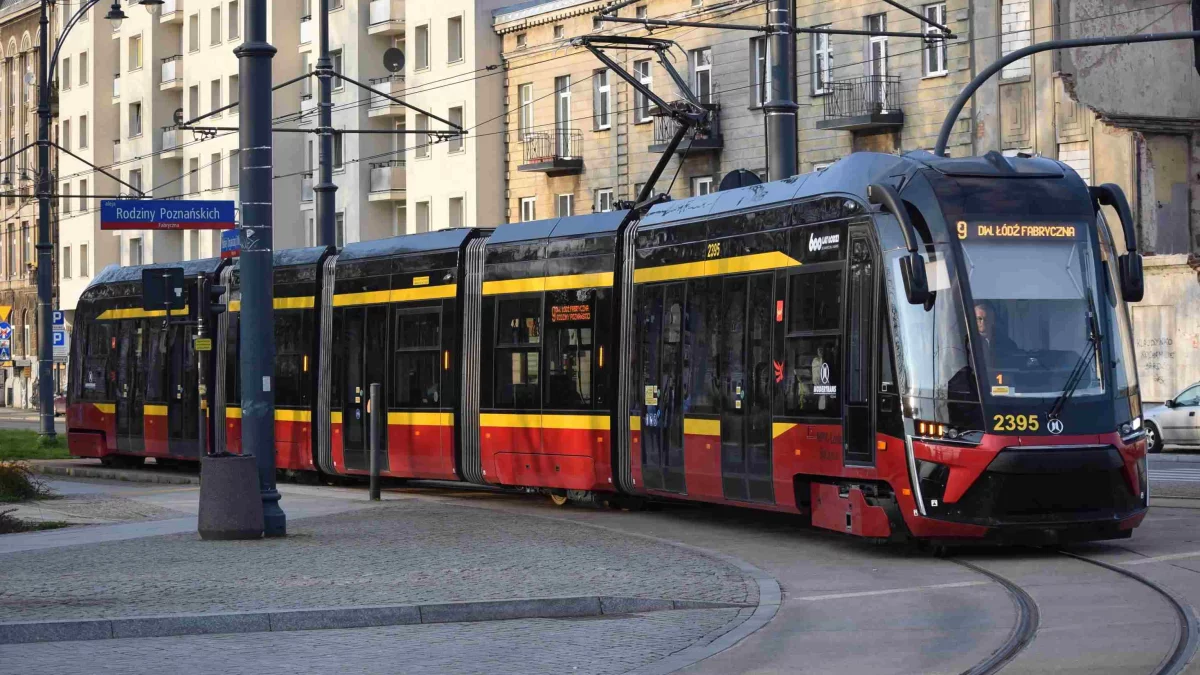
{"x":215,"y":304}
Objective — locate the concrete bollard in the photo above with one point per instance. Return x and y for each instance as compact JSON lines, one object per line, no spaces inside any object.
{"x":230,"y":504}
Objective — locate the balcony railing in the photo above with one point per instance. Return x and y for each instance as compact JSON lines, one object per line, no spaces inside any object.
{"x":170,"y":139}
{"x":387,"y":84}
{"x":387,"y":178}
{"x":387,"y":17}
{"x":868,"y":102}
{"x":555,"y":153}
{"x":117,"y":85}
{"x":306,"y":187}
{"x":306,"y":30}
{"x":706,"y":139}
{"x":172,"y":68}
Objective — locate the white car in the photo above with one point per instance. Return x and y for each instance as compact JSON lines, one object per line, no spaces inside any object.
{"x":1175,"y":422}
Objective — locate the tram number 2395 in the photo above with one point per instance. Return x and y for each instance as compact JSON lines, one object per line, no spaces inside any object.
{"x":1015,"y":423}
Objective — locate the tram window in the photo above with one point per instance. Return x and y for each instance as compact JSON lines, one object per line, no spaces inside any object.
{"x":417,"y":381}
{"x":290,"y":342}
{"x":156,"y":356}
{"x":569,"y":343}
{"x":701,"y":339}
{"x":96,"y":386}
{"x":517,"y":360}
{"x":813,"y":347}
{"x":816,"y":302}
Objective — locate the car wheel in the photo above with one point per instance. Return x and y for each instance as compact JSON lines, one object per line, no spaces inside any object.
{"x":1153,"y":438}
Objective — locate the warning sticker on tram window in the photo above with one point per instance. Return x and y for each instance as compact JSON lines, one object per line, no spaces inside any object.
{"x":651,"y":395}
{"x":559,"y":313}
{"x":1017,"y":230}
{"x":1001,"y":391}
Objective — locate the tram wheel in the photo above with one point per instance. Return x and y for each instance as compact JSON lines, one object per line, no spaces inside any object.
{"x":558,"y":497}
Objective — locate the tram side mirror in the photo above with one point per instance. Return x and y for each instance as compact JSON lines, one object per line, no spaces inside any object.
{"x":916,"y":283}
{"x":1133,"y":283}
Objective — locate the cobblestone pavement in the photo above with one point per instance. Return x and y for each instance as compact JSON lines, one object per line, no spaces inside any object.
{"x":407,"y":552}
{"x":529,"y":646}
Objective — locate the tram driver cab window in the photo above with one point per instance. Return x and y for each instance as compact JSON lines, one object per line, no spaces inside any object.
{"x":518,"y":347}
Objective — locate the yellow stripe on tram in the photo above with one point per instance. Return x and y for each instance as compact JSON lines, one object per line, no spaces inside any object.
{"x":701,"y":427}
{"x":335,"y":417}
{"x":635,"y":423}
{"x":780,"y":428}
{"x":154,"y":410}
{"x":137,"y":313}
{"x":755,"y":262}
{"x":556,"y":283}
{"x":537,"y":421}
{"x":424,"y":419}
{"x":396,"y":295}
{"x":106,"y":408}
{"x":293,"y":415}
{"x":232,"y":413}
{"x":294,"y":302}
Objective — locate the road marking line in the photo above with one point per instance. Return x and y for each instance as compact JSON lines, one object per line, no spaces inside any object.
{"x":891,"y":591}
{"x":1161,"y":558}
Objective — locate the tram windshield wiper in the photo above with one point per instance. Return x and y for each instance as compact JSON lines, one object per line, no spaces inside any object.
{"x":1085,"y":360}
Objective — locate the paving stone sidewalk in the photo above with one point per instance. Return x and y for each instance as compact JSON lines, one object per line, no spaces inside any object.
{"x":405,"y":552}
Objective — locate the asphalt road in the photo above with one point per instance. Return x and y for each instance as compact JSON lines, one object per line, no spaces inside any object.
{"x":26,"y":420}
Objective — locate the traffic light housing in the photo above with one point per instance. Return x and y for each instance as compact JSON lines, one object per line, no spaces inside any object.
{"x":213,"y":299}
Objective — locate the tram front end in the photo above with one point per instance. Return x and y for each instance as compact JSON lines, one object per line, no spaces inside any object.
{"x":1021,"y":409}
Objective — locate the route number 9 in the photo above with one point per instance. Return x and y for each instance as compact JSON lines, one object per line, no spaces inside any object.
{"x":1015,"y":423}
{"x":962,"y":229}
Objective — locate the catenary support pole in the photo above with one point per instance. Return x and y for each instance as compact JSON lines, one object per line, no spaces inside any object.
{"x":325,"y":189}
{"x":780,"y":110}
{"x":45,"y":264}
{"x":257,"y":358}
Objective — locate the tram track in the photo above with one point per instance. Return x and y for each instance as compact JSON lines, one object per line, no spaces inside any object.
{"x":1023,"y":631}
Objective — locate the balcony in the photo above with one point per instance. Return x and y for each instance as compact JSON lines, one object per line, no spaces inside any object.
{"x":117,"y":87}
{"x":381,"y":107}
{"x":172,"y":73}
{"x":171,"y":143}
{"x":387,"y":17}
{"x":172,"y":12}
{"x":306,"y":30}
{"x":706,"y":140}
{"x":306,"y":187}
{"x":387,"y":181}
{"x":871,"y":102}
{"x":554,"y":153}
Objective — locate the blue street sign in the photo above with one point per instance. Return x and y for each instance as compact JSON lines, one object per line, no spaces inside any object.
{"x":5,"y":354}
{"x":58,"y":318}
{"x":5,"y":332}
{"x":60,"y":338}
{"x":166,"y":214}
{"x":231,"y":244}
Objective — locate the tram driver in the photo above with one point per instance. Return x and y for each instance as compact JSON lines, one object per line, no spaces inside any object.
{"x":996,"y":346}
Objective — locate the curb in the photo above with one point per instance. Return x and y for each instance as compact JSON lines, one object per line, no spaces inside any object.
{"x":127,"y":475}
{"x":342,"y":617}
{"x":1176,"y":455}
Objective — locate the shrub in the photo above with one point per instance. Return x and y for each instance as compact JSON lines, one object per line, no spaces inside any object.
{"x":18,"y":483}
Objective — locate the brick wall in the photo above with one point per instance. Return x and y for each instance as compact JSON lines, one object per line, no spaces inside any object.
{"x":1016,"y":20}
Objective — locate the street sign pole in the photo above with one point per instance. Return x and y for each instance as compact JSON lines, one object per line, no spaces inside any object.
{"x":258,"y":316}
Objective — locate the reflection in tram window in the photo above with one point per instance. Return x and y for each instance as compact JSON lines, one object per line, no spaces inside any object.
{"x":418,"y":343}
{"x":96,"y":366}
{"x":569,"y":349}
{"x":291,"y":337}
{"x":701,"y":337}
{"x":518,"y":335}
{"x":813,"y":345}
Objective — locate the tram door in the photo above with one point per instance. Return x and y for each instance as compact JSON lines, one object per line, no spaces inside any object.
{"x":130,"y":392}
{"x":858,"y":434}
{"x":364,"y":349}
{"x":182,"y":394}
{"x":662,"y":419}
{"x":746,"y":380}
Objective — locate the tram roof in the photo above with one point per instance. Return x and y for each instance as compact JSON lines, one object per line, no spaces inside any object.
{"x":115,"y":274}
{"x":291,"y":257}
{"x":438,"y":240}
{"x":556,"y":228}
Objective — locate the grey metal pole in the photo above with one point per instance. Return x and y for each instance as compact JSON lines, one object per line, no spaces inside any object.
{"x":45,"y":263}
{"x":780,"y":110}
{"x":375,"y":412}
{"x":987,"y":73}
{"x":325,"y":189}
{"x":257,"y":358}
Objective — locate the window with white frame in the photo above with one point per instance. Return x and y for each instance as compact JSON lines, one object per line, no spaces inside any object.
{"x":760,"y":62}
{"x":423,"y":216}
{"x":66,"y":198}
{"x":339,"y":229}
{"x":235,"y":26}
{"x":702,"y":185}
{"x":701,"y":61}
{"x":877,"y":61}
{"x":566,"y":205}
{"x":194,"y":175}
{"x":65,"y":78}
{"x":135,"y":179}
{"x":601,"y":100}
{"x":194,"y":33}
{"x":84,"y":69}
{"x":135,"y":119}
{"x":64,"y":264}
{"x":235,"y":168}
{"x":528,"y":209}
{"x":234,"y":93}
{"x":421,"y":151}
{"x":454,"y":39}
{"x":822,"y":61}
{"x":83,"y":200}
{"x":644,"y":72}
{"x":522,"y":40}
{"x":135,"y":251}
{"x":421,"y":47}
{"x":935,"y":48}
{"x":135,"y":52}
{"x":214,"y":27}
{"x":83,"y":131}
{"x":84,"y":262}
{"x":214,"y":168}
{"x":455,"y":115}
{"x":338,"y":159}
{"x":455,"y":211}
{"x":603,"y":200}
{"x":335,"y":62}
{"x":214,"y":95}
{"x":525,"y":115}
{"x":64,"y":134}
{"x":641,"y":11}
{"x":559,"y":32}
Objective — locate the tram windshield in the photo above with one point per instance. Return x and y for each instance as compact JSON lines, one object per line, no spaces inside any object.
{"x":1035,"y":316}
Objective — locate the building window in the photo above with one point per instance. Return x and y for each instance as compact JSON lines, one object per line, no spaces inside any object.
{"x":83,"y":131}
{"x":604,"y":200}
{"x":566,"y":205}
{"x":338,"y":159}
{"x":65,"y":134}
{"x":64,"y":265}
{"x":455,"y":116}
{"x":702,"y":185}
{"x":135,"y":179}
{"x":335,"y":62}
{"x":644,"y":72}
{"x":601,"y":100}
{"x":935,"y":48}
{"x":194,"y":175}
{"x":422,"y":139}
{"x":214,"y":96}
{"x":559,"y":32}
{"x":525,"y":116}
{"x":640,"y":12}
{"x":522,"y":41}
{"x":335,"y":4}
{"x":421,"y":37}
{"x":83,"y":189}
{"x":822,"y":62}
{"x":234,"y":91}
{"x":637,"y":191}
{"x":66,"y":197}
{"x":135,"y":251}
{"x":562,"y":117}
{"x":214,"y":25}
{"x":84,"y":262}
{"x":701,"y":63}
{"x":311,"y":231}
{"x":454,"y":39}
{"x":193,"y":101}
{"x":528,"y":209}
{"x":423,"y":216}
{"x":455,"y":208}
{"x":597,"y":23}
{"x":214,"y":169}
{"x":877,"y":47}
{"x":760,"y":59}
{"x":339,"y":229}
{"x":83,"y":69}
{"x":135,"y":52}
{"x":66,"y":73}
{"x":235,"y":26}
{"x":235,"y":168}
{"x":194,"y":33}
{"x":135,"y":120}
